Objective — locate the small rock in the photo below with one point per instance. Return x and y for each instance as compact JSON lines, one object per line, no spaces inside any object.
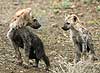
{"x":7,"y":68}
{"x":21,"y":71}
{"x":54,"y":25}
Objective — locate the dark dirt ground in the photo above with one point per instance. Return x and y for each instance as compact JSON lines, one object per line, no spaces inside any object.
{"x":57,"y":44}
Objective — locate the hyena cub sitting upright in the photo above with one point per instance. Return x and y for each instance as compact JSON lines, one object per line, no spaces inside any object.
{"x":21,"y":36}
{"x":81,"y":38}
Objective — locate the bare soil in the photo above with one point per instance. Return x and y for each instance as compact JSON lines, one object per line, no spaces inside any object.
{"x":58,"y":46}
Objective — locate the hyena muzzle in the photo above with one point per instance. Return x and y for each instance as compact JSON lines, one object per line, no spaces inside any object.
{"x":81,"y":38}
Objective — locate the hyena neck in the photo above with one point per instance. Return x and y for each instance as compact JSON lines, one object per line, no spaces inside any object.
{"x":13,"y":25}
{"x":18,"y":24}
{"x":73,"y":31}
{"x":77,"y":28}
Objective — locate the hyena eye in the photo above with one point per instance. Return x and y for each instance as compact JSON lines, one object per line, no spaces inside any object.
{"x":34,"y":20}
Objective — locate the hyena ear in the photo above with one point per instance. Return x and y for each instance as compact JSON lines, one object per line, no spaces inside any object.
{"x":75,"y":18}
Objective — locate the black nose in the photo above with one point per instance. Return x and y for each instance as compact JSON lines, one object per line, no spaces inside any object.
{"x":39,"y":26}
{"x":36,"y":26}
{"x":62,"y":28}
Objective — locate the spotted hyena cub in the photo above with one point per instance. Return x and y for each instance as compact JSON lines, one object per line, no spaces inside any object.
{"x":20,"y":36}
{"x":81,"y":38}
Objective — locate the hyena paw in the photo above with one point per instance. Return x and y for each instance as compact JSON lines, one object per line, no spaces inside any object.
{"x":30,"y":62}
{"x":95,"y":59}
{"x":47,"y":68}
{"x":19,"y":62}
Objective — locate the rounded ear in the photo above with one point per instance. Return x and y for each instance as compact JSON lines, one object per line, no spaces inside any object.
{"x":75,"y":18}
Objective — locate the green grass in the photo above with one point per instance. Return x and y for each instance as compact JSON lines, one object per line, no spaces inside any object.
{"x":98,"y":8}
{"x":91,"y":22}
{"x":66,"y":4}
{"x":87,"y":1}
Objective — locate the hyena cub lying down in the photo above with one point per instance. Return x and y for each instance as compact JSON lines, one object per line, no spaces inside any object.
{"x":22,"y":37}
{"x":81,"y":38}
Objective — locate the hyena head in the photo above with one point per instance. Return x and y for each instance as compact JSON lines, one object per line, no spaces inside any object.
{"x":24,"y":17}
{"x":34,"y":24}
{"x":70,"y":21}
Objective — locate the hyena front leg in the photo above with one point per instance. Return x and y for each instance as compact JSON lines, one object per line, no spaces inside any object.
{"x":26,"y":57}
{"x":77,"y":53}
{"x":84,"y":46}
{"x":18,"y":54}
{"x":10,"y":35}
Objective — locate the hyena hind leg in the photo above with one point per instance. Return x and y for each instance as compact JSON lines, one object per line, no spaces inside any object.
{"x":36,"y":62}
{"x":47,"y":62}
{"x":77,"y":57}
{"x":77,"y":52}
{"x":92,"y":55}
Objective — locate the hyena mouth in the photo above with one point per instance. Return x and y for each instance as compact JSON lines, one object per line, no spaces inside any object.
{"x":64,"y":28}
{"x":36,"y":27}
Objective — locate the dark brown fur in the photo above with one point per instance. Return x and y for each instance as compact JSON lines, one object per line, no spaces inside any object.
{"x":33,"y":46}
